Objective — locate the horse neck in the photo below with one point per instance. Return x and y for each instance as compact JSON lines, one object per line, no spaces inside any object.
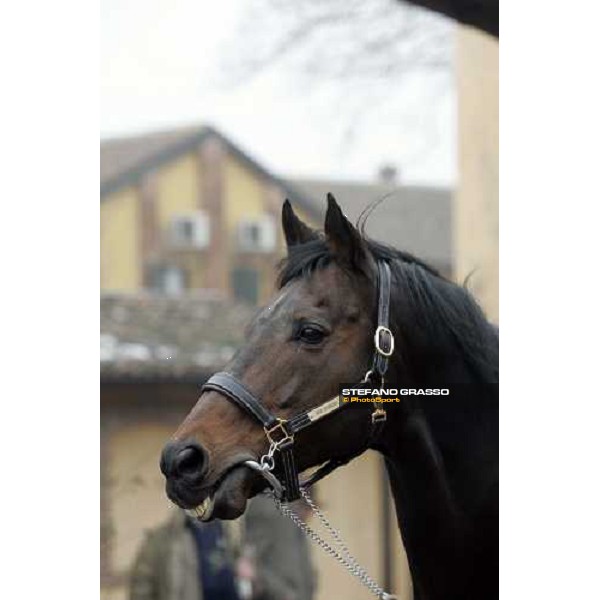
{"x":429,"y":447}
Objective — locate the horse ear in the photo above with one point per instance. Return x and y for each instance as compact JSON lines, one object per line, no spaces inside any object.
{"x":295,"y":231}
{"x":342,"y":237}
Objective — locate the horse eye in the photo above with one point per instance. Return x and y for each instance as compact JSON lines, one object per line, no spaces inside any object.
{"x":310,"y":334}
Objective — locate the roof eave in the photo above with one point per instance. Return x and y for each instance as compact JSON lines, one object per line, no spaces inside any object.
{"x":133,"y":176}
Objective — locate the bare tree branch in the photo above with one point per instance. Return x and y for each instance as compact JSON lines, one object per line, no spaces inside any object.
{"x":339,"y":39}
{"x":364,"y":47}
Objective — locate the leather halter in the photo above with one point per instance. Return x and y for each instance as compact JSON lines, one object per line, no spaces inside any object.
{"x":280,"y":432}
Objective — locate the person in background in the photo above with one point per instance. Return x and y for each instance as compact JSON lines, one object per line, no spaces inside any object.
{"x":185,"y":560}
{"x":262,"y":556}
{"x":275,"y":554}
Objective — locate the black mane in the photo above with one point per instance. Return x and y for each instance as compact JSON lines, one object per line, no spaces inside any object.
{"x":443,"y":310}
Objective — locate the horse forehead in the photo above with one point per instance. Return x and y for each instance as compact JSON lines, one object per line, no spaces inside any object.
{"x":329,"y":283}
{"x":325,"y":285}
{"x":280,"y":304}
{"x":329,"y":286}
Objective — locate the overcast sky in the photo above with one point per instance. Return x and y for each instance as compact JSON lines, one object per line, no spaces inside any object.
{"x":162,"y":66}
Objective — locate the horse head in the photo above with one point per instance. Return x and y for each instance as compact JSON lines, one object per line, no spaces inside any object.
{"x":316,"y":332}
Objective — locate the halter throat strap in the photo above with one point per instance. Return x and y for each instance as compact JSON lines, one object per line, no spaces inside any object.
{"x":280,"y":432}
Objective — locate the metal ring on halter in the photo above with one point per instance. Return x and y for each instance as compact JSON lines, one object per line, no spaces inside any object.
{"x":266,"y":473}
{"x":267,"y":461}
{"x":378,"y":345}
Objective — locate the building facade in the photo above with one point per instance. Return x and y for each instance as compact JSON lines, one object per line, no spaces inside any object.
{"x":186,"y":210}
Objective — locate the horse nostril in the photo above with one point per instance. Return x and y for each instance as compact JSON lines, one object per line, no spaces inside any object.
{"x":190,"y":462}
{"x":184,"y":459}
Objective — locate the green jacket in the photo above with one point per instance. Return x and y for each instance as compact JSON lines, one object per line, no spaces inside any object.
{"x":282,"y":553}
{"x":166,"y":566}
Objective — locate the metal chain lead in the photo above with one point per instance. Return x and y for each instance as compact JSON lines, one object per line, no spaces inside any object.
{"x":335,"y":534}
{"x":342,"y":555}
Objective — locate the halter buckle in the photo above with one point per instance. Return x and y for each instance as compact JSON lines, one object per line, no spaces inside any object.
{"x":378,"y":415}
{"x":378,"y":341}
{"x":278,"y":427}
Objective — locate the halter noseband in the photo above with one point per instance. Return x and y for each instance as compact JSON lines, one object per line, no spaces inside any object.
{"x":280,"y":432}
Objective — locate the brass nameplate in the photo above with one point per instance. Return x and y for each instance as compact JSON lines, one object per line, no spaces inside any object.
{"x":324,"y":409}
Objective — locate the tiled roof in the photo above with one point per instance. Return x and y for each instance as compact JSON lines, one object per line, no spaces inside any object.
{"x":120,"y":156}
{"x":146,"y":335}
{"x":124,"y":161}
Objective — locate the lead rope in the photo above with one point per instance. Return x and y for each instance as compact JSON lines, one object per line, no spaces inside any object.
{"x":342,"y":555}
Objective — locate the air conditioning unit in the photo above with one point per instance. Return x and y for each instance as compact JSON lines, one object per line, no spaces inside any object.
{"x":191,"y":230}
{"x":257,"y":235}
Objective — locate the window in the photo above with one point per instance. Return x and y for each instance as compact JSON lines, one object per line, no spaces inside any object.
{"x":167,"y":279}
{"x":257,"y":235}
{"x":190,"y":231}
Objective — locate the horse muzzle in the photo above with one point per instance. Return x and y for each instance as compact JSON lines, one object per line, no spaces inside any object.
{"x":205,"y":495}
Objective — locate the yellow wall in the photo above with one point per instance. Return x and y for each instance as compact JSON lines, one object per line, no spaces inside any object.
{"x":137,"y":497}
{"x":120,"y":244}
{"x":177,"y":193}
{"x":244,"y":194}
{"x":178,"y":189}
{"x":114,"y":592}
{"x":246,"y":198}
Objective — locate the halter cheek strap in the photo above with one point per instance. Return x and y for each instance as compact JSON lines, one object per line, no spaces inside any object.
{"x":280,"y":432}
{"x":384,"y":339}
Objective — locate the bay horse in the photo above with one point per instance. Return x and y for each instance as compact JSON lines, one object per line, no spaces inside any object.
{"x":441,"y":452}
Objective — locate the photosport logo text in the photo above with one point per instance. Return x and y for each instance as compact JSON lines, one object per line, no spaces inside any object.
{"x":367,"y":394}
